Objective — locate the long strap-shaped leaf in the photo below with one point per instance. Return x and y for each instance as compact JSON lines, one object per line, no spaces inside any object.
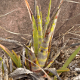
{"x":54,"y":22}
{"x":40,"y":34}
{"x":35,"y":36}
{"x":35,"y":39}
{"x":35,"y":31}
{"x":47,"y":18}
{"x":49,"y":48}
{"x":58,"y":10}
{"x":43,"y":51}
{"x":52,"y":17}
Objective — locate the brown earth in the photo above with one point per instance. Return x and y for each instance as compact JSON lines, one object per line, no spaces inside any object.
{"x":19,"y":21}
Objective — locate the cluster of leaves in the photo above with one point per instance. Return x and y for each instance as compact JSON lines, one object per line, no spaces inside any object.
{"x":37,"y":51}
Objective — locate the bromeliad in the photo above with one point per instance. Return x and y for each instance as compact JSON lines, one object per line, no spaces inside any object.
{"x":42,"y":37}
{"x":38,"y":49}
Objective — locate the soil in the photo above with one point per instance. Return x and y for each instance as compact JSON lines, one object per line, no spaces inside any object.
{"x":19,"y":22}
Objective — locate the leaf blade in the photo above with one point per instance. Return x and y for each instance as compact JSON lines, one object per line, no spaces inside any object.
{"x":47,"y":18}
{"x":40,"y":33}
{"x":71,"y":58}
{"x":35,"y":36}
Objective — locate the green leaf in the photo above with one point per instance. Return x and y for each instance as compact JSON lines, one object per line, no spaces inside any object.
{"x":2,"y":67}
{"x":19,"y":61}
{"x":48,"y":37}
{"x":35,"y":36}
{"x":40,"y":33}
{"x":47,"y":18}
{"x":43,"y":50}
{"x":63,"y":70}
{"x":70,"y":58}
{"x":16,"y":56}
